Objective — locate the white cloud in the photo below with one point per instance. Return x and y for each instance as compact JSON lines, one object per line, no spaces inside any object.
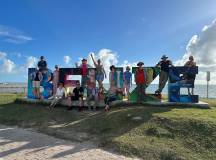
{"x":107,"y":57}
{"x":203,"y":48}
{"x":2,"y":55}
{"x":67,"y":60}
{"x":31,"y":62}
{"x":127,"y":63}
{"x":12,"y":35}
{"x":8,"y":66}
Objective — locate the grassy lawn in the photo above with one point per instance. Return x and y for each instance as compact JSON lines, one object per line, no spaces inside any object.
{"x":145,"y":132}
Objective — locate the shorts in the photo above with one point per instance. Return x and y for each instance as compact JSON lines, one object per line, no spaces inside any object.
{"x":84,"y":81}
{"x":99,"y":77}
{"x":127,"y":86}
{"x":36,"y":84}
{"x":74,"y":98}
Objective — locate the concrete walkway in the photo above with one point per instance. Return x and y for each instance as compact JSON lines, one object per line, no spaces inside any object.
{"x":21,"y":144}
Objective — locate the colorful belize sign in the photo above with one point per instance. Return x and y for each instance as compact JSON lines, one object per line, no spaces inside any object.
{"x":68,"y":76}
{"x":179,"y":78}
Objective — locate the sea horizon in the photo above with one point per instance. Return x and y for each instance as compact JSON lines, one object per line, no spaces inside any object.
{"x":200,"y":89}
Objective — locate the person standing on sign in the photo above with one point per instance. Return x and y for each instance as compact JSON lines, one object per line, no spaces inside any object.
{"x":140,"y":80}
{"x":164,"y":64}
{"x":42,"y":64}
{"x":100,"y":72}
{"x":188,"y":76}
{"x":37,"y":78}
{"x":55,"y":79}
{"x":84,"y":72}
{"x":127,"y":77}
{"x":112,"y":76}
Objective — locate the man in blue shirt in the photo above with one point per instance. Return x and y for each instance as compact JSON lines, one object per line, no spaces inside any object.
{"x":127,"y":81}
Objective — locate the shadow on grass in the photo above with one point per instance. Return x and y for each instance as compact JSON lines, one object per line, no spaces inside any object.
{"x":104,"y":128}
{"x":99,"y":127}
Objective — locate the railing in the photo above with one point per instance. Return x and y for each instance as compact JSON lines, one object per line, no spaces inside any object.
{"x":9,"y":89}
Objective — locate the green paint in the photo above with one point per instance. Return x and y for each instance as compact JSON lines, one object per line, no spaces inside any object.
{"x":150,"y":73}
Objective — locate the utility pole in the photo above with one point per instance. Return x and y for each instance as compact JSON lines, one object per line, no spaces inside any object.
{"x":207,"y":79}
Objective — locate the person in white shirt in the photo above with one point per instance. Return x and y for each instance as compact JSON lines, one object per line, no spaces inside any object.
{"x":60,"y":94}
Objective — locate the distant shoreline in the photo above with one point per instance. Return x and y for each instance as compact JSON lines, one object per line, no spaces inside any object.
{"x":200,"y":89}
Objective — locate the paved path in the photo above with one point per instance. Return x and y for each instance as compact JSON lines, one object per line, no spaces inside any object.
{"x":20,"y":144}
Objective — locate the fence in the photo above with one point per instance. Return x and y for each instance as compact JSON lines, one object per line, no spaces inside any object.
{"x":9,"y":89}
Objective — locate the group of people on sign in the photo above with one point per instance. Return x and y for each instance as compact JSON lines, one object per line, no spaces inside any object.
{"x":94,"y":93}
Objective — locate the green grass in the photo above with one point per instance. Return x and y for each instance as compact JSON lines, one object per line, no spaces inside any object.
{"x":145,"y":132}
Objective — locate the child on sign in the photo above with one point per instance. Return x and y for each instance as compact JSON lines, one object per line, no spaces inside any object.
{"x":140,"y":82}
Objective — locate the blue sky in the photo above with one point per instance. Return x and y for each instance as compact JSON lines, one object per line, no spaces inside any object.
{"x":133,"y":29}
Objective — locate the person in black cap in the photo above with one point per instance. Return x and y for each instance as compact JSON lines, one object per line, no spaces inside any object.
{"x":140,"y":82}
{"x":42,"y":64}
{"x":164,"y":65}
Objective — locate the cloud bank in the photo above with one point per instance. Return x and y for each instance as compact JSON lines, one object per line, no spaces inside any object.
{"x":8,"y":66}
{"x":203,"y":48}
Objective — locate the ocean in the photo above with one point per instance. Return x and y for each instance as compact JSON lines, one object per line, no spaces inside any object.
{"x":199,"y":89}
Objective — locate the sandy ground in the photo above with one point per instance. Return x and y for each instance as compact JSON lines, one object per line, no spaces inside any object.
{"x":20,"y":144}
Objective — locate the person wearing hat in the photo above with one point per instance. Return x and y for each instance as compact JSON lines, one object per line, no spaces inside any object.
{"x":164,"y":65}
{"x":55,"y":79}
{"x":140,"y":82}
{"x":127,"y":77}
{"x":188,"y":76}
{"x":42,"y":64}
